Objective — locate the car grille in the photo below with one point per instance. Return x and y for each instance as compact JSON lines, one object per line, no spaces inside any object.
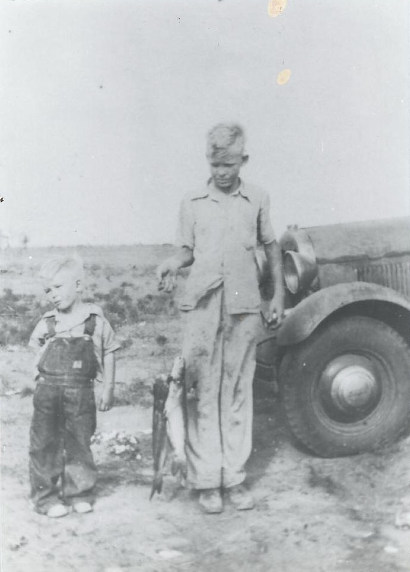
{"x":394,"y":275}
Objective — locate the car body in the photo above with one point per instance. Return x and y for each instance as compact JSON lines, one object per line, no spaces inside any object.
{"x":342,"y":353}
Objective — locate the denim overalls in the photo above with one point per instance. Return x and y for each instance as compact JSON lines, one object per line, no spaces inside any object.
{"x":64,"y":419}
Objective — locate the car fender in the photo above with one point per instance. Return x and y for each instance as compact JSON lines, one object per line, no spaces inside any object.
{"x":304,"y":318}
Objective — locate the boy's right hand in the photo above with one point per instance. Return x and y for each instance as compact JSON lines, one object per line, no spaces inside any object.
{"x":167,"y":274}
{"x":107,"y":398}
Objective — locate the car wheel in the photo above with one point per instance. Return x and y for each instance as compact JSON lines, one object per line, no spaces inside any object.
{"x":346,"y":389}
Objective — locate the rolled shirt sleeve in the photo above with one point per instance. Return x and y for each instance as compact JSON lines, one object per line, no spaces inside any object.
{"x":37,"y":343}
{"x":109,"y":341}
{"x":38,"y":336}
{"x":185,"y":230}
{"x":105,"y":342}
{"x":266,"y":233}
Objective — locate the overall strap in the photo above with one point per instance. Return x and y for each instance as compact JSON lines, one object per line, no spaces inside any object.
{"x":89,"y":325}
{"x":51,"y":327}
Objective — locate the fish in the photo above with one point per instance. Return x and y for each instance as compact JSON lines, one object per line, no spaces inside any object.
{"x":159,"y":432}
{"x":169,"y":424}
{"x":175,"y":412}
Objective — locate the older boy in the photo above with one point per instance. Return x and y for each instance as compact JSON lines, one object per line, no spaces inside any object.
{"x":75,"y":345}
{"x":219,"y":228}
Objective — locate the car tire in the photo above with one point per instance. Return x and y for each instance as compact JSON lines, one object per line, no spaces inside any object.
{"x":346,"y":389}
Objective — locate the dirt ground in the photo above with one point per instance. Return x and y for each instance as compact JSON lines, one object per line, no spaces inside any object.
{"x":311,"y":514}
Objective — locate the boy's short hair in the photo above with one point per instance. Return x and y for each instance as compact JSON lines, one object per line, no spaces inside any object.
{"x":225,"y":135}
{"x":71,"y":264}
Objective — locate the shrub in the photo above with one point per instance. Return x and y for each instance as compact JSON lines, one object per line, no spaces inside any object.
{"x":117,"y":306}
{"x":154,"y":304}
{"x":19,"y":313}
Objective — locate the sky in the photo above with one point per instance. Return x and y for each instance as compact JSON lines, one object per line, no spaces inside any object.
{"x":105,"y":106}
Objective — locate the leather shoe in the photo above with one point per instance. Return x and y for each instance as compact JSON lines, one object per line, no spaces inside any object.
{"x":240,"y":497}
{"x":210,"y":501}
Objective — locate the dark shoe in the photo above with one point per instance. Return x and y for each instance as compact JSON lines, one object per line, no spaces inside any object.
{"x":210,"y":501}
{"x":240,"y":497}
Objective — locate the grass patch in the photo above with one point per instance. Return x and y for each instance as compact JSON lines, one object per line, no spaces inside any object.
{"x":19,"y":313}
{"x":135,"y":393}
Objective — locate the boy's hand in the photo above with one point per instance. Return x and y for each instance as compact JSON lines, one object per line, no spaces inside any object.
{"x":107,"y":398}
{"x":167,"y":274}
{"x":276,"y":310}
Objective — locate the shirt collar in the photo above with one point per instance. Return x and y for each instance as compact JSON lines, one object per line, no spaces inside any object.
{"x":70,"y":320}
{"x":214,"y":194}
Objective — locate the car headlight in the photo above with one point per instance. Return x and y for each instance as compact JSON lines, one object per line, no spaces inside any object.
{"x":299,"y":271}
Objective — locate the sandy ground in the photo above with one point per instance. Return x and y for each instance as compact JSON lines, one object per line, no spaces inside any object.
{"x":311,"y":514}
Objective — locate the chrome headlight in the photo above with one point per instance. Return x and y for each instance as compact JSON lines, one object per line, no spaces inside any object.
{"x":299,"y":271}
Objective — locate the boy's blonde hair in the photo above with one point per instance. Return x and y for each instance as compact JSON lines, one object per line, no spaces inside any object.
{"x":71,"y":264}
{"x":224,"y":136}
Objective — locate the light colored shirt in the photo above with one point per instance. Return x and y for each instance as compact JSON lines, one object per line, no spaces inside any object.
{"x":72,"y":324}
{"x":223,"y":232}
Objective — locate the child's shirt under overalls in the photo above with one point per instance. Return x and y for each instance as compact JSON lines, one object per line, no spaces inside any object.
{"x":73,"y":325}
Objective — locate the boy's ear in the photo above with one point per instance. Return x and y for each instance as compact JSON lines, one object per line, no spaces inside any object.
{"x":245,"y":159}
{"x":79,"y":285}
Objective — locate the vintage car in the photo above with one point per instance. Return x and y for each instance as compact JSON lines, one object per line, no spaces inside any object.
{"x":342,"y":354}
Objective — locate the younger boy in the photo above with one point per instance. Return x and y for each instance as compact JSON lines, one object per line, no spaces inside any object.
{"x":220,"y":225}
{"x":75,"y":345}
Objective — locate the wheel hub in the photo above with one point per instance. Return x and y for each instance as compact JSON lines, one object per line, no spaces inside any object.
{"x":353,"y":387}
{"x":350,"y":389}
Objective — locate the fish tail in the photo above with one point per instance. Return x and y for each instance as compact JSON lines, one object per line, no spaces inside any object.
{"x":156,"y":485}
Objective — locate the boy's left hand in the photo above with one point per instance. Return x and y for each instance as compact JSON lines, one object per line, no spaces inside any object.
{"x":276,"y":310}
{"x":107,"y":399}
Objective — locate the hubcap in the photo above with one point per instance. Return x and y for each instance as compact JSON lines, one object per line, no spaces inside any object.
{"x":349,"y":387}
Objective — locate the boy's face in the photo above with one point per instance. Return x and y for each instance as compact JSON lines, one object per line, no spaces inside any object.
{"x":62,"y":290}
{"x":225,"y":168}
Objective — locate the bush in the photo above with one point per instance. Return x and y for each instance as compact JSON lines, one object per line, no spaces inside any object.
{"x":120,"y":308}
{"x":18,"y":316}
{"x":117,"y":306}
{"x":154,"y":304}
{"x":19,"y":313}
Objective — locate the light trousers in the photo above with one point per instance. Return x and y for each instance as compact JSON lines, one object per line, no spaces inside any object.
{"x":219,"y":352}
